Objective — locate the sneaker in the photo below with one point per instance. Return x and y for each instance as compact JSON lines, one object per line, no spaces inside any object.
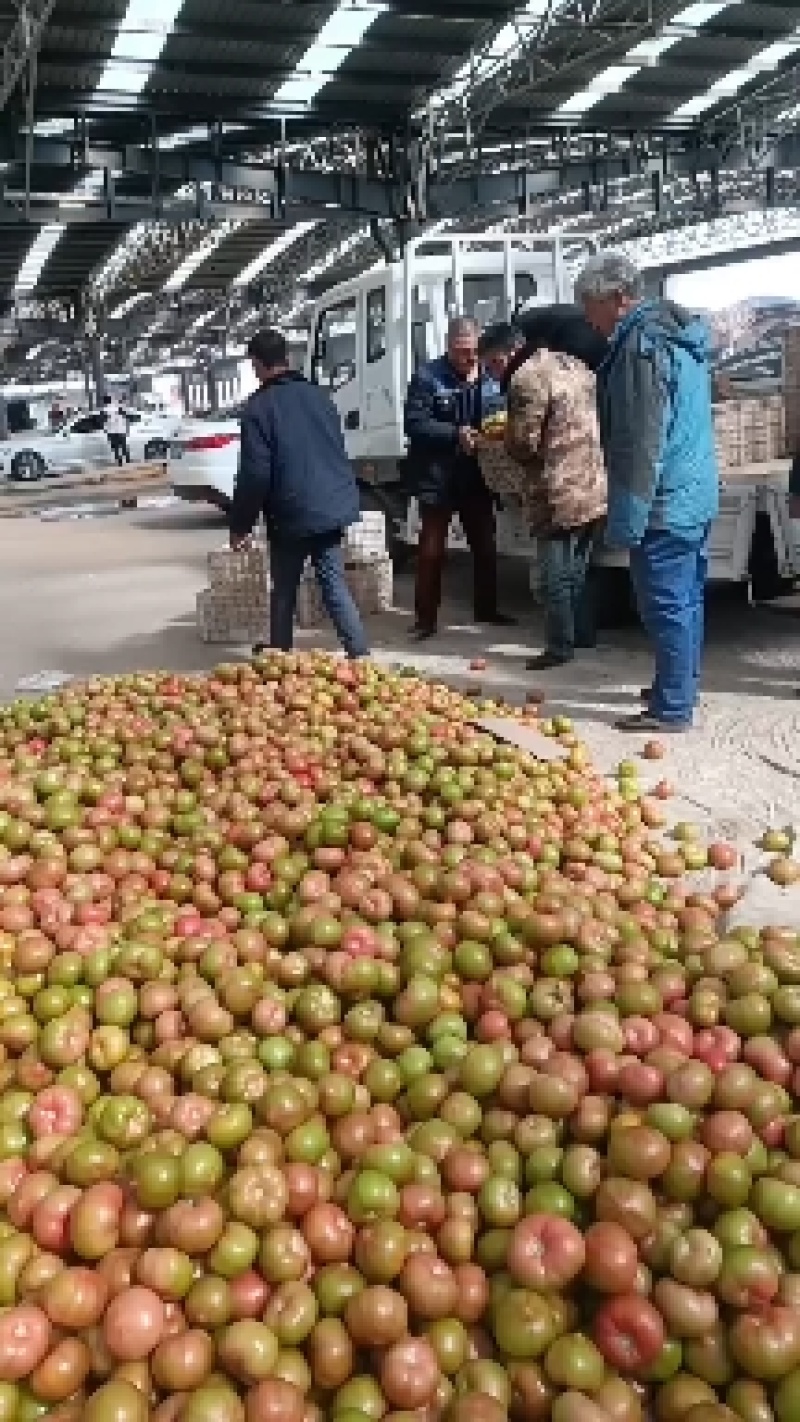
{"x":644,"y":722}
{"x":421,"y":633}
{"x":546,"y":661}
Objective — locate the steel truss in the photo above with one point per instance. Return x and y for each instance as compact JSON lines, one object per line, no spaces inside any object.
{"x":180,"y":189}
{"x":565,"y":46}
{"x":22,"y":44}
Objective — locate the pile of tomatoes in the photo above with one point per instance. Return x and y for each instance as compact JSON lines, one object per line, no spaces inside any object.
{"x":356,"y":1066}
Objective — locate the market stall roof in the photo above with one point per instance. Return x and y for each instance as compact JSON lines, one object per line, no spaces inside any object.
{"x":492,"y":84}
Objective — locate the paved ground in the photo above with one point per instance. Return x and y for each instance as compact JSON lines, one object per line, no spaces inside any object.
{"x":117,"y":593}
{"x":96,"y":490}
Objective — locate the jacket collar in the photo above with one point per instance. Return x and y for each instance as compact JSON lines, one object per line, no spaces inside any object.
{"x":284,"y":377}
{"x":482,"y":380}
{"x":639,"y":315}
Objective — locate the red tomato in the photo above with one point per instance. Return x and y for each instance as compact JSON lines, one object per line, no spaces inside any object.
{"x":629,"y":1332}
{"x":545,"y":1252}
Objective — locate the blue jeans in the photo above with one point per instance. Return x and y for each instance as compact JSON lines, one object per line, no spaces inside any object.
{"x":287,"y":560}
{"x":564,"y":560}
{"x":669,"y":577}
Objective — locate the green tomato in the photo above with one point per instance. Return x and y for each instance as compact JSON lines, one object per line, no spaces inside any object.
{"x":201,"y":1169}
{"x":235,"y":1251}
{"x":372,"y":1196}
{"x":230,"y":1126}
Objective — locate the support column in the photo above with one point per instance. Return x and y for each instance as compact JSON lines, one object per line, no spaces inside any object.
{"x":96,"y":367}
{"x":185,"y":392}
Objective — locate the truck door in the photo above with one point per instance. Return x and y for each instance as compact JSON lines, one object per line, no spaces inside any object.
{"x":380,"y":414}
{"x":335,"y":364}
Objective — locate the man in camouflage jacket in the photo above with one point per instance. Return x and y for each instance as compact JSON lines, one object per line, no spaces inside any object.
{"x":553,"y":436}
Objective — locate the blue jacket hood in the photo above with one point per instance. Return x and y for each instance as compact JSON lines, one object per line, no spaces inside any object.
{"x":664,"y":321}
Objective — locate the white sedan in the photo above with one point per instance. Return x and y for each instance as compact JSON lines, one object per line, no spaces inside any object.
{"x":204,"y":458}
{"x":82,"y":443}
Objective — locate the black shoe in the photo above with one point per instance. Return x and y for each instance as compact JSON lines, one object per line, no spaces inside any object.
{"x":546,"y":661}
{"x":420,"y":633}
{"x":497,"y":619}
{"x":644,"y":723}
{"x":260,"y":648}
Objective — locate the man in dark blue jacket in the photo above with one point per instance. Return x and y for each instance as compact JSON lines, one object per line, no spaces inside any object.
{"x":293,"y":469}
{"x":446,"y":401}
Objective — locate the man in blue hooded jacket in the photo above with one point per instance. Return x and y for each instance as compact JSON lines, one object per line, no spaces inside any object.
{"x":654,"y":393}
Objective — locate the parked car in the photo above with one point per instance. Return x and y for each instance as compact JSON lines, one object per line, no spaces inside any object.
{"x":204,"y":457}
{"x":81,"y":443}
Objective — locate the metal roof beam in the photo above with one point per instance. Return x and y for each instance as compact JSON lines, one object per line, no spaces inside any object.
{"x":22,"y":43}
{"x":231,"y":190}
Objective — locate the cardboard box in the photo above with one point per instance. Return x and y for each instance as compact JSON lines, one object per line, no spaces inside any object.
{"x":370,"y":582}
{"x":367,"y":538}
{"x":220,"y":620}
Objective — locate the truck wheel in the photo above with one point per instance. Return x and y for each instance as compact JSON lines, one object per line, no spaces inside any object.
{"x":765,"y":576}
{"x":156,"y":449}
{"x":613,"y":597}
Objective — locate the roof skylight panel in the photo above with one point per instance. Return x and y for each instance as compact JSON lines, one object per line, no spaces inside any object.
{"x":342,"y":33}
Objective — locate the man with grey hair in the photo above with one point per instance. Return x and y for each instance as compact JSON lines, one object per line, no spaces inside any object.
{"x":654,"y":397}
{"x":446,"y":403}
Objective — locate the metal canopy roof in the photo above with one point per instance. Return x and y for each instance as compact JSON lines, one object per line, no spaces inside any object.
{"x":152,"y":90}
{"x":229,"y":59}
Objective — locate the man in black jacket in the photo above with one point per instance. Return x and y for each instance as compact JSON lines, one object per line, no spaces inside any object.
{"x":446,"y":401}
{"x":293,"y":469}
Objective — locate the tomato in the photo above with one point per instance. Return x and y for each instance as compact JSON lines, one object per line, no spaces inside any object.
{"x":630,"y":1333}
{"x":612,"y":1259}
{"x":25,"y":1335}
{"x":545,"y":1252}
{"x":767,"y":1344}
{"x":56,"y":1111}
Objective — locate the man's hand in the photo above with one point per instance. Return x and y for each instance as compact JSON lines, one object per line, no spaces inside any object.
{"x":467,"y":439}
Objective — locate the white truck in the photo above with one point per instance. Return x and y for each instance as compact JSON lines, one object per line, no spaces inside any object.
{"x":370,"y":333}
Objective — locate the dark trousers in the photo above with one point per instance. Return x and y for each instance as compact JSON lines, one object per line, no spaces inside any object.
{"x":287,"y":560}
{"x":477,"y":520}
{"x":119,"y":448}
{"x":669,"y":579}
{"x":567,"y":594}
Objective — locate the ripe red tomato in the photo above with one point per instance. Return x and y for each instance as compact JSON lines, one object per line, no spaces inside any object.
{"x":630,"y":1333}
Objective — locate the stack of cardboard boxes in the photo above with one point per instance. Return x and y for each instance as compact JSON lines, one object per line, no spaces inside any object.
{"x":750,"y":431}
{"x":368,"y":569}
{"x":235,"y":605}
{"x":233,"y":608}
